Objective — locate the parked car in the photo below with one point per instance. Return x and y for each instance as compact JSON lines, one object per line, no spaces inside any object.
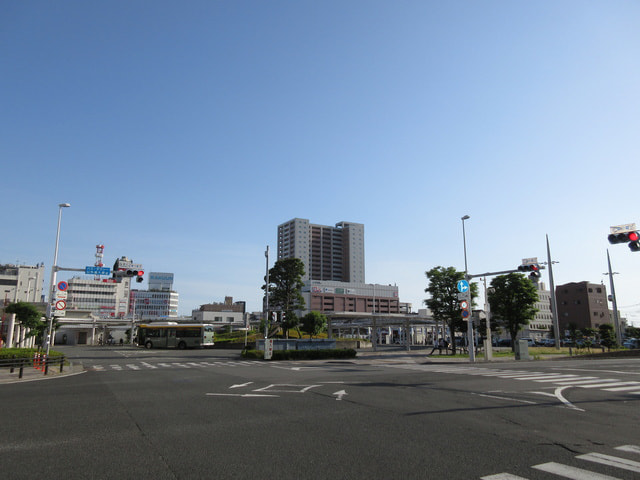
{"x":631,"y":343}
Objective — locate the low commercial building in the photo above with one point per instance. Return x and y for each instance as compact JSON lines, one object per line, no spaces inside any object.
{"x":327,"y":296}
{"x":228,"y":314}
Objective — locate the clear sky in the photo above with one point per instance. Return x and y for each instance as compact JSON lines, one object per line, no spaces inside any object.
{"x":183,"y":133}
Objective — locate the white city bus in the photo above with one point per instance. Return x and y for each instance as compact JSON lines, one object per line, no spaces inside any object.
{"x":175,"y":335}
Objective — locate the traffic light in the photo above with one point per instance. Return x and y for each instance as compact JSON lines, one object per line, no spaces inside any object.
{"x":631,"y":238}
{"x":532,"y":268}
{"x":140,"y":273}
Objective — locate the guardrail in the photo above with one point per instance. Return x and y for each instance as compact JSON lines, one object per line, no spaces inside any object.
{"x":39,"y":361}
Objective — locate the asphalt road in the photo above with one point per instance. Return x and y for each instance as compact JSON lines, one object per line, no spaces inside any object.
{"x":136,"y":413}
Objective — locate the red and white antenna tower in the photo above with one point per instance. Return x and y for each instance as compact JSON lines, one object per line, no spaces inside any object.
{"x":99,"y":255}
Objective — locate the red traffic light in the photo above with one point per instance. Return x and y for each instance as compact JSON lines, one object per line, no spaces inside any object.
{"x":140,"y":273}
{"x":623,"y":237}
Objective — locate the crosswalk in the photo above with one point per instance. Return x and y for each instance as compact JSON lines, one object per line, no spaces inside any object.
{"x":578,"y":473}
{"x":559,"y":379}
{"x":171,"y":365}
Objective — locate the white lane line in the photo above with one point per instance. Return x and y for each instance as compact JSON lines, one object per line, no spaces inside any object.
{"x":505,"y":398}
{"x":558,"y":394}
{"x":502,"y":476}
{"x":550,"y":377}
{"x":611,"y":461}
{"x":240,"y":395}
{"x":571,"y":472}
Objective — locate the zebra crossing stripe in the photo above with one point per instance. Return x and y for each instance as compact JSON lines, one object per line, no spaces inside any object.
{"x":133,"y":366}
{"x":622,"y":389}
{"x":629,"y":448}
{"x":612,"y":461}
{"x":572,"y":472}
{"x":147,"y":365}
{"x":548,"y":377}
{"x":609,"y":384}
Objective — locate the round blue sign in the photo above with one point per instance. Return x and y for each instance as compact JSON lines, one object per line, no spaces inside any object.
{"x":62,"y":286}
{"x":463,"y":286}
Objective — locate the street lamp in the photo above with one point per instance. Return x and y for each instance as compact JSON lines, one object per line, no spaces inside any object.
{"x":54,"y":271}
{"x":616,"y":321}
{"x":466,"y":272}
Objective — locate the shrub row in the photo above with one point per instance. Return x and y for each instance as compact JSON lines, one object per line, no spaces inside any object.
{"x":302,"y":354}
{"x":24,"y":353}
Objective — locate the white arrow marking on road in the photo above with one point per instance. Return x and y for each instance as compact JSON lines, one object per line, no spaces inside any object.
{"x":558,"y":394}
{"x":240,"y":385}
{"x":339,"y":394}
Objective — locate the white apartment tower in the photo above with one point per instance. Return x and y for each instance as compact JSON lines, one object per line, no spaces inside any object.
{"x":329,"y":253}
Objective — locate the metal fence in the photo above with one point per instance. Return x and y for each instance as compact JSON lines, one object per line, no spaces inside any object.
{"x":38,"y":361}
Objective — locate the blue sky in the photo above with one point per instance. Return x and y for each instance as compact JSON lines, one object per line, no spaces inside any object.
{"x":183,"y":133}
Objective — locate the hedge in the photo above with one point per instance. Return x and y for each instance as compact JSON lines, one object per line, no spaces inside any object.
{"x":302,"y":354}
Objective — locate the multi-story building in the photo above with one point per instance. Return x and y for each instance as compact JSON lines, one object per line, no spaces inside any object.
{"x":22,"y":283}
{"x":105,"y":298}
{"x":159,"y":302}
{"x":583,"y":304}
{"x":542,"y":324}
{"x":324,"y":296}
{"x":329,"y":253}
{"x":227,"y":314}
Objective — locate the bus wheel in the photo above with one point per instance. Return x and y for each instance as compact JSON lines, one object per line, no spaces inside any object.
{"x":148,"y":345}
{"x":182,"y":345}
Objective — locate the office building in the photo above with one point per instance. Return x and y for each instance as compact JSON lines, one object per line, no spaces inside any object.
{"x":329,"y":253}
{"x":583,"y":304}
{"x":22,"y":283}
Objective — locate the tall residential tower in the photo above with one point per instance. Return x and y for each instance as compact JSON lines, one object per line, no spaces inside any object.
{"x":329,"y":253}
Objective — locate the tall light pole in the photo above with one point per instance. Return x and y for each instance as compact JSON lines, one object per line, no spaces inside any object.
{"x":266,"y":302}
{"x":472,"y":355}
{"x":613,"y":300}
{"x":552,"y":297}
{"x":54,"y":272}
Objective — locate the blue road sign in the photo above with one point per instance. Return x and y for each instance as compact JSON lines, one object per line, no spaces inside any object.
{"x":463,"y":286}
{"x":97,"y":270}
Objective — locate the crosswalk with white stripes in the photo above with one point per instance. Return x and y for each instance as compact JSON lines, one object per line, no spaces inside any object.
{"x":578,"y":473}
{"x":174,"y":365}
{"x":560,"y":379}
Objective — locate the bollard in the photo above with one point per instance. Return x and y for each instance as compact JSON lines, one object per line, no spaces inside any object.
{"x":21,"y":368}
{"x":46,"y":365}
{"x":61,"y":363}
{"x":13,"y":363}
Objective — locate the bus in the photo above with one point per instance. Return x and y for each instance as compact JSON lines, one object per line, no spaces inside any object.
{"x":175,"y":335}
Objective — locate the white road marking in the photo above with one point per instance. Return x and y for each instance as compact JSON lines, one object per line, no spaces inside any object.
{"x":571,"y":472}
{"x":611,"y":461}
{"x":502,"y":476}
{"x":339,"y":394}
{"x":239,"y":385}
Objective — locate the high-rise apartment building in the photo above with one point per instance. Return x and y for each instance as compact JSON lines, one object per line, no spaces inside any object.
{"x":329,"y":253}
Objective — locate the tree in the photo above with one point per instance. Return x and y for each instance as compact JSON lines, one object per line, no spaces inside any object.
{"x":444,"y":303}
{"x":512,"y":301}
{"x":607,"y":335}
{"x":285,"y":286}
{"x":28,"y":315}
{"x":313,"y":323}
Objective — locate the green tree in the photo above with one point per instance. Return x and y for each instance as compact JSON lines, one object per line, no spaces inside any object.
{"x":512,"y":299}
{"x":285,"y":287}
{"x":314,"y":323}
{"x":444,"y":303}
{"x":28,"y":315}
{"x":607,"y":335}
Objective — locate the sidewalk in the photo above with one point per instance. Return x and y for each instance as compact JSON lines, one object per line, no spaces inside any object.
{"x":418,"y":356}
{"x":30,"y":374}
